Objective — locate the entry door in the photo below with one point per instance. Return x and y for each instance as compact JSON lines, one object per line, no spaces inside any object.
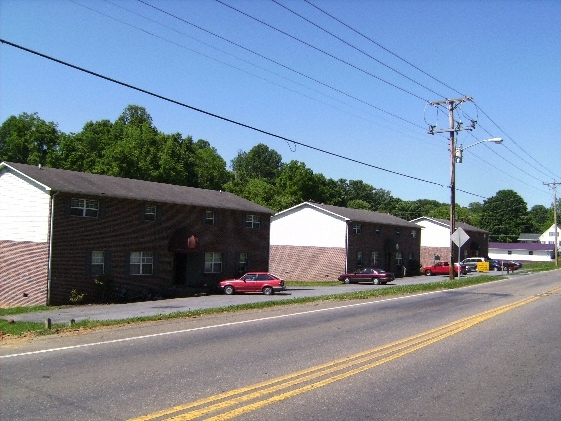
{"x":186,"y":270}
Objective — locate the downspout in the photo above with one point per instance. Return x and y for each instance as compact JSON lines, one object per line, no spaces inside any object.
{"x":346,"y":247}
{"x":51,"y":219}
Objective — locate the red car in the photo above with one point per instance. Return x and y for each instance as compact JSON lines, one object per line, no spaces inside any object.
{"x":443,"y":268}
{"x":375,"y":275}
{"x":264,"y":282}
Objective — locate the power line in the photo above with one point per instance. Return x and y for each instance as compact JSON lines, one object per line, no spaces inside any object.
{"x":280,"y":64}
{"x":323,"y":51}
{"x":357,"y":49}
{"x":213,"y":114}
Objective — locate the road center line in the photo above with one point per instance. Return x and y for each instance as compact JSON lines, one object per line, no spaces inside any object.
{"x":267,"y":392}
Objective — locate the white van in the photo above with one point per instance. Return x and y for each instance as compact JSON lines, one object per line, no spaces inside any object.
{"x":471,"y":262}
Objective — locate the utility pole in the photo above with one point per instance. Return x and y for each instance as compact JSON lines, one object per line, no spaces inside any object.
{"x":556,"y":247}
{"x":451,"y":105}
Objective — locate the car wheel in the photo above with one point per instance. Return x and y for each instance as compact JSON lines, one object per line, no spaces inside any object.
{"x":347,"y":280}
{"x":428,"y":272}
{"x":228,"y":290}
{"x":375,"y":281}
{"x":496,"y":269}
{"x":268,"y":290}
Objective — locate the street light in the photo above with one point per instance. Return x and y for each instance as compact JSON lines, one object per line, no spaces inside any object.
{"x":459,"y":151}
{"x":456,"y":157}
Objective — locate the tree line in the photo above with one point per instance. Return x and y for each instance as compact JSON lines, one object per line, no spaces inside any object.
{"x":132,"y":147}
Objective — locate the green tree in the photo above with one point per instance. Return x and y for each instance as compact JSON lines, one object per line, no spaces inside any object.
{"x":505,"y":216}
{"x":540,"y":218}
{"x":259,"y":162}
{"x":209,"y":166}
{"x":359,"y":204}
{"x":28,"y":139}
{"x":295,"y":184}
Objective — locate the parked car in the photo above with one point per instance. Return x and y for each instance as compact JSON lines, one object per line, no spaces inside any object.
{"x":443,"y":268}
{"x":471,"y":262}
{"x":496,"y":265}
{"x":375,"y":275}
{"x":264,"y":282}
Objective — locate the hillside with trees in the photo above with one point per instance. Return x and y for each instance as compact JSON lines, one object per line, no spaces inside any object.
{"x":132,"y":147}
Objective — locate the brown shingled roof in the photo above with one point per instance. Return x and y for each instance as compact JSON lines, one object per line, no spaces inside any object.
{"x":103,"y":185}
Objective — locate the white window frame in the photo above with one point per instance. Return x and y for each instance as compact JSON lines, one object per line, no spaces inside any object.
{"x":213,"y":262}
{"x":242,"y":263}
{"x":141,"y":263}
{"x":98,"y":263}
{"x":357,"y":228}
{"x":398,"y":258}
{"x":150,"y":212}
{"x":88,"y":208}
{"x":413,"y":233}
{"x":209,"y":217}
{"x":253,"y":221}
{"x":375,"y":259}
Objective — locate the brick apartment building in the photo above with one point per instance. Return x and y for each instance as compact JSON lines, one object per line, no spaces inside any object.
{"x":316,"y":242}
{"x":61,"y":230}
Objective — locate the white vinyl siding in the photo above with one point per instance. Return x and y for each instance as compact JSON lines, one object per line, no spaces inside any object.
{"x":307,"y":226}
{"x":24,"y":209}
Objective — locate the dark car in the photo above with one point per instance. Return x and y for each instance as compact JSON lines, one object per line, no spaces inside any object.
{"x":375,"y":275}
{"x":264,"y":282}
{"x":497,"y":265}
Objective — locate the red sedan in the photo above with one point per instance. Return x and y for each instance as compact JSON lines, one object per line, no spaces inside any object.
{"x":264,"y":282}
{"x":443,"y":268}
{"x":375,"y":275}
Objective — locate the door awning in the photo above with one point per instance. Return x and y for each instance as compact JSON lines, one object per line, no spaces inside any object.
{"x":184,"y":241}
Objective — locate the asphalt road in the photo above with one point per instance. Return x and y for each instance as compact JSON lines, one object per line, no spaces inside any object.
{"x":487,"y":352}
{"x":152,"y":308}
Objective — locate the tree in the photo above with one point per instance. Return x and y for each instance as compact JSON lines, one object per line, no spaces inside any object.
{"x":505,"y":216}
{"x":540,"y":218}
{"x":359,"y":204}
{"x":209,"y":166}
{"x":295,"y":184}
{"x":259,"y":162}
{"x":28,"y":139}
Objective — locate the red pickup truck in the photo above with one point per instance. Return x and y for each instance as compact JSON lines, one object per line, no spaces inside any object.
{"x":443,"y":268}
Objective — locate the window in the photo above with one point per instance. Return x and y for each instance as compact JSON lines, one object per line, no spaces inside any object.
{"x":399,"y":258}
{"x":209,"y":217}
{"x":242,"y":263}
{"x":375,"y":258}
{"x":84,"y":207}
{"x":252,"y":221}
{"x":359,"y":258}
{"x":378,"y":230}
{"x":531,"y":252}
{"x":98,"y":263}
{"x":509,"y":252}
{"x":413,"y":233}
{"x":411,"y":256}
{"x":213,"y":262}
{"x":357,"y":228}
{"x":398,"y":232}
{"x":149,"y":213}
{"x":141,"y":263}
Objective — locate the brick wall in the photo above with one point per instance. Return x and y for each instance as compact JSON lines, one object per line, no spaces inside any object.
{"x":23,"y":273}
{"x":298,"y":263}
{"x":121,"y":230}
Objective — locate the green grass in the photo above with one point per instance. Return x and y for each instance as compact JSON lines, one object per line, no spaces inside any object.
{"x":22,"y":328}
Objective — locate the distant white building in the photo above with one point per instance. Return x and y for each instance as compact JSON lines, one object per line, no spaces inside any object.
{"x":548,"y":237}
{"x":524,"y":252}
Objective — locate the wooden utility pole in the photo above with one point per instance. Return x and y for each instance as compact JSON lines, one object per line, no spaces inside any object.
{"x":556,"y":247}
{"x":452,"y":104}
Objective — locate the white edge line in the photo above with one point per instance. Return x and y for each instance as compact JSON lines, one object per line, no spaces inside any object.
{"x":175,"y":332}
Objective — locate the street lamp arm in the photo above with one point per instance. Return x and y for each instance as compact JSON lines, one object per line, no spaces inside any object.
{"x":493,"y":140}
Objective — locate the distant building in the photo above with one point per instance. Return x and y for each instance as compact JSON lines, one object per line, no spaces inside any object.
{"x":522,"y":252}
{"x":62,"y":230}
{"x":315,"y":242}
{"x":548,"y":236}
{"x":529,"y":238}
{"x":435,"y":241}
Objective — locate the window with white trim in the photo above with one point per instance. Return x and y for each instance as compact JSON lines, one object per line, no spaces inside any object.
{"x":357,"y":228}
{"x":413,"y":233}
{"x":398,"y":258}
{"x":375,"y":258}
{"x":242,"y":263}
{"x":252,"y":221}
{"x":149,"y":212}
{"x":209,"y":218}
{"x":141,"y":263}
{"x":98,"y":263}
{"x":213,"y":262}
{"x":84,"y":207}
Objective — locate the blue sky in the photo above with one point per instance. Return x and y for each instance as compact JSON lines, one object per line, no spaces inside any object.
{"x":368,"y":105}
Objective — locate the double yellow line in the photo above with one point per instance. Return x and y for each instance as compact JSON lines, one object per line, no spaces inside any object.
{"x":225,"y":406}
